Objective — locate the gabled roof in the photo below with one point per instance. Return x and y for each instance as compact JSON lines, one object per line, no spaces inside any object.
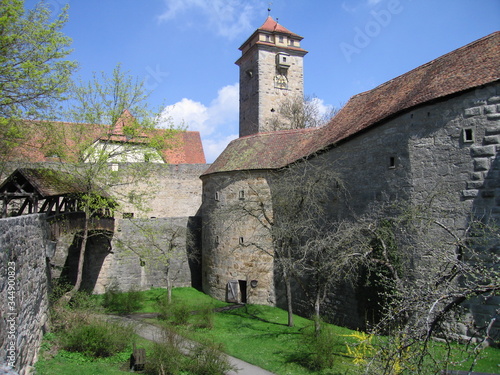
{"x":41,"y":181}
{"x":465,"y":68}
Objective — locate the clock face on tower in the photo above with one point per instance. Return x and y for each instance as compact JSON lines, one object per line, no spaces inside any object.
{"x":280,"y":81}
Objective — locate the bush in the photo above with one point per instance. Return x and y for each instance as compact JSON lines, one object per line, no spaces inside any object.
{"x":205,"y":317}
{"x":169,"y":356}
{"x":322,"y":347}
{"x":96,"y":338}
{"x":176,"y":313}
{"x":208,"y":359}
{"x":122,"y":302}
{"x":166,"y":356}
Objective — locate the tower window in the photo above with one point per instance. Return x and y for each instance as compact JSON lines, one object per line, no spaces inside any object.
{"x":242,"y":241}
{"x":217,"y":196}
{"x":281,"y":39}
{"x":468,"y":135}
{"x":241,"y":195}
{"x":392,"y":162}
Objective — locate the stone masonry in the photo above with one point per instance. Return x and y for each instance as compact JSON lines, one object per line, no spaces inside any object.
{"x":24,"y":287}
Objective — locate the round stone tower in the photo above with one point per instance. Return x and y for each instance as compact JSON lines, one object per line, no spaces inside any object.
{"x":271,"y":69}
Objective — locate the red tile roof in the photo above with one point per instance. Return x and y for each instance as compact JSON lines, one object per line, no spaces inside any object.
{"x":46,"y":138}
{"x":473,"y":65}
{"x":273,"y":26}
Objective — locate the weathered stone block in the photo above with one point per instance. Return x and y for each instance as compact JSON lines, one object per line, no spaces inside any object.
{"x":475,"y":176}
{"x":494,"y":99}
{"x":490,"y":109}
{"x":475,"y":111}
{"x":481,"y":164}
{"x":474,"y":184}
{"x":493,"y":116}
{"x":491,"y":139}
{"x":482,"y":151}
{"x":492,"y":130}
{"x":470,"y":193}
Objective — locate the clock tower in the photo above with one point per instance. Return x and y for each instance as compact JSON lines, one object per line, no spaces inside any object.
{"x":271,"y":70}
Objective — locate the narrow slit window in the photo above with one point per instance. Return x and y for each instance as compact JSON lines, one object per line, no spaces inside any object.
{"x":217,"y":240}
{"x":242,"y":195}
{"x":468,"y":135}
{"x":392,"y":162}
{"x":217,"y":196}
{"x":242,"y":241}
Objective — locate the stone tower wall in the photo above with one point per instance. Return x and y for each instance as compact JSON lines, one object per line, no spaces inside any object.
{"x":260,"y":91}
{"x":230,"y":237}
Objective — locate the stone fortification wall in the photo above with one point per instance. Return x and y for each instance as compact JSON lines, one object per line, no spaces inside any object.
{"x":445,"y":153}
{"x":24,"y":284}
{"x":144,"y":250}
{"x":136,"y":257}
{"x":167,"y":190}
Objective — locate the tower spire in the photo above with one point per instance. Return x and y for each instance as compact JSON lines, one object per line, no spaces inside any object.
{"x":269,"y":9}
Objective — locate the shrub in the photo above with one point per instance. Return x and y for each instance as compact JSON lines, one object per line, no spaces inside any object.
{"x":205,"y":317}
{"x":122,"y":302}
{"x":96,"y":338}
{"x":208,"y":359}
{"x":322,"y":347}
{"x":166,"y":356}
{"x":176,"y":313}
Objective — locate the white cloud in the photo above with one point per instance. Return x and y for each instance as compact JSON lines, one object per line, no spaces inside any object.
{"x":229,"y":18}
{"x":214,"y":122}
{"x":214,"y":146}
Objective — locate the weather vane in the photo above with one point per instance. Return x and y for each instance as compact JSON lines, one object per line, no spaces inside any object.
{"x":269,"y":9}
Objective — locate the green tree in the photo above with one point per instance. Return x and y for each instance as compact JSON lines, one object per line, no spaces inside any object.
{"x":34,"y":74}
{"x":113,"y":109}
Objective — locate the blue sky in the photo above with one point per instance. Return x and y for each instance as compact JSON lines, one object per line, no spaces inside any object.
{"x":185,"y":49}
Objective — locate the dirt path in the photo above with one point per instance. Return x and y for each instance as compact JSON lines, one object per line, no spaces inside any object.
{"x":153,"y":333}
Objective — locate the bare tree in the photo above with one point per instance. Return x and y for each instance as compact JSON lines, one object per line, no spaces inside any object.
{"x":160,"y":246}
{"x":428,"y":271}
{"x":299,"y":199}
{"x":297,"y":112}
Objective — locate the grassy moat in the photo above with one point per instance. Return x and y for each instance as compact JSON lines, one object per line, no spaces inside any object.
{"x":81,"y":344}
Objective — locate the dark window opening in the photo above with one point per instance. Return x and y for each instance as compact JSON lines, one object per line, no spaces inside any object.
{"x":242,"y":195}
{"x":242,"y":241}
{"x":243,"y":290}
{"x":217,"y":196}
{"x":392,"y":162}
{"x":468,"y":135}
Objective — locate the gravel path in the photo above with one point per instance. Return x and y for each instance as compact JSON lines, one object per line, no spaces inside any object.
{"x":153,"y":333}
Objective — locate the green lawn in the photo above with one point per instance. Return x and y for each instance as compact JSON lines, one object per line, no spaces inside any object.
{"x":256,"y":334}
